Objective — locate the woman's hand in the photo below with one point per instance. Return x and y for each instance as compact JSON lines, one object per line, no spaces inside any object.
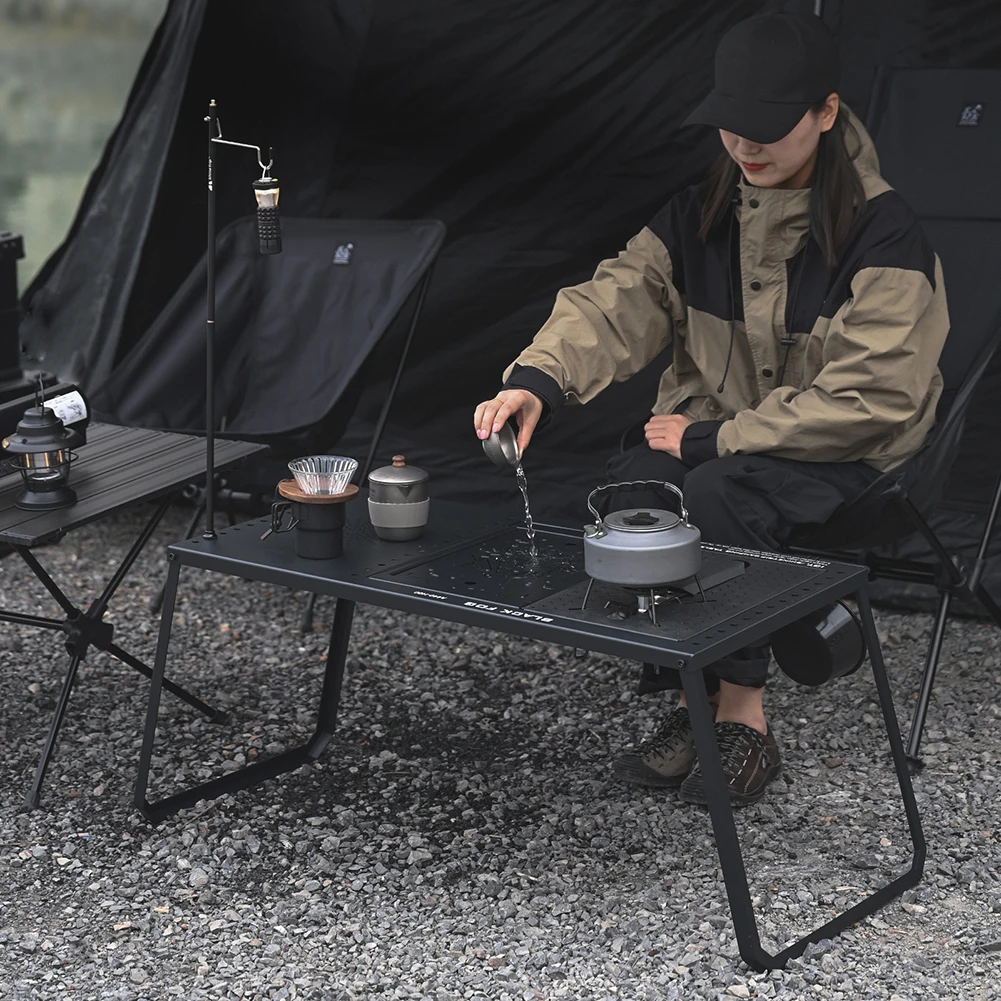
{"x":526,"y":407}
{"x":664,"y":433}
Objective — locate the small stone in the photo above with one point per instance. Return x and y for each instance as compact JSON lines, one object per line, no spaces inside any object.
{"x":739,"y":990}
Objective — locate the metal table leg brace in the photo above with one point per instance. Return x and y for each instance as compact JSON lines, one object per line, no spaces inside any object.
{"x":84,"y":630}
{"x":249,"y":775}
{"x":732,"y":861}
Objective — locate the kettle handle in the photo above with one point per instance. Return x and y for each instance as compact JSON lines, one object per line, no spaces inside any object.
{"x":636,"y":483}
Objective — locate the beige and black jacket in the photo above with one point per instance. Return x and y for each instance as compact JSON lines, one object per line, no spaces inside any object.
{"x":773,"y":351}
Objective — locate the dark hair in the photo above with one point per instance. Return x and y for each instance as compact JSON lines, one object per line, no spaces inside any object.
{"x":837,"y":197}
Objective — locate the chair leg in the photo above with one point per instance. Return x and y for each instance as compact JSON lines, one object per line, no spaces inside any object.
{"x":928,"y":678}
{"x":306,"y":623}
{"x":989,"y":605}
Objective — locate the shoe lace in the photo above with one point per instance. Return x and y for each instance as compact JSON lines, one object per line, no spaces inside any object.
{"x":667,"y":734}
{"x":732,"y":740}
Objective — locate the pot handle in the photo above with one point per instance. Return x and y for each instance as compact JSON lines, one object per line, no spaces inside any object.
{"x":636,"y":483}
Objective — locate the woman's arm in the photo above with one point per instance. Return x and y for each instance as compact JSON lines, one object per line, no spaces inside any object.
{"x":606,"y":329}
{"x":879,"y":375}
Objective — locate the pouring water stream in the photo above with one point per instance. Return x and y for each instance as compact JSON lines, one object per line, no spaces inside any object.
{"x":529,"y":524}
{"x":501,"y":447}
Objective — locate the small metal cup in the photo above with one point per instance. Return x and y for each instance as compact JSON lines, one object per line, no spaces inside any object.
{"x":501,"y":447}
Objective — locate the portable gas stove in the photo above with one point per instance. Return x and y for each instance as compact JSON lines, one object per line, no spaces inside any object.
{"x":643,"y":601}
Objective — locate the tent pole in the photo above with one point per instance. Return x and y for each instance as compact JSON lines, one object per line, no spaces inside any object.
{"x":209,"y":533}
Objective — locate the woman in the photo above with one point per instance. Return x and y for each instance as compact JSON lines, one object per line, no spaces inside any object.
{"x":806,"y":312}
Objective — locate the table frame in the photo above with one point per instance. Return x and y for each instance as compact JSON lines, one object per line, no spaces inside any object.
{"x":117,"y":467}
{"x":273,"y":563}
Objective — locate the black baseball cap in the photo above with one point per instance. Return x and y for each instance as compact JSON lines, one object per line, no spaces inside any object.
{"x":770,"y":70}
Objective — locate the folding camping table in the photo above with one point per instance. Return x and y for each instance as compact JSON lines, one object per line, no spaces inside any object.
{"x":116,"y":467}
{"x":461,"y":569}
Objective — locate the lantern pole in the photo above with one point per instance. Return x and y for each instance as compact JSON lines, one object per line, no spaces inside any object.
{"x":210,"y":263}
{"x":272,"y":247}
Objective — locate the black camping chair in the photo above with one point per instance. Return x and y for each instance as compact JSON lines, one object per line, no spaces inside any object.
{"x":296,"y":336}
{"x":293,"y":332}
{"x":941,"y":154}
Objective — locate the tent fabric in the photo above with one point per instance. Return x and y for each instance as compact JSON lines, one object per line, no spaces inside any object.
{"x":292,"y":330}
{"x":542,"y":134}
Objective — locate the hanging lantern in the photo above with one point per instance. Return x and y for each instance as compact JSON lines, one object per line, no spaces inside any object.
{"x":42,"y":442}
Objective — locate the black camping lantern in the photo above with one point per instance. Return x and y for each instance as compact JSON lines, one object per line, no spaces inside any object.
{"x":43,"y":442}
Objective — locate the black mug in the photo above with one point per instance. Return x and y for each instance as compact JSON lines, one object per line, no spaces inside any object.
{"x":319,"y":528}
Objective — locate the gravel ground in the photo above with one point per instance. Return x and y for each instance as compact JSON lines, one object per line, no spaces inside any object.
{"x":462,"y":836}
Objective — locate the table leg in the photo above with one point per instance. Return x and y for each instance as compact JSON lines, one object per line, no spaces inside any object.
{"x":156,"y":682}
{"x":210,"y":712}
{"x":728,"y":846}
{"x":900,"y":763}
{"x":721,"y":812}
{"x":47,"y":582}
{"x":156,"y":602}
{"x":249,"y":775}
{"x":101,"y":603}
{"x":35,"y":792}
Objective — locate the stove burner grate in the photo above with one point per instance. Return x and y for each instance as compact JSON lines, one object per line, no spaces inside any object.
{"x":644,"y":600}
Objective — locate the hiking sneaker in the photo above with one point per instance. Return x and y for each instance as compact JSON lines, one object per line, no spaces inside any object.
{"x":750,"y":761}
{"x":664,"y":759}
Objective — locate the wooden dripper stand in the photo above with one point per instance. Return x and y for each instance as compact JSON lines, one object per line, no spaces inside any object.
{"x":315,"y":502}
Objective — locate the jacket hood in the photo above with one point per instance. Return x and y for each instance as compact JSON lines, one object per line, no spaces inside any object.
{"x":788,"y":210}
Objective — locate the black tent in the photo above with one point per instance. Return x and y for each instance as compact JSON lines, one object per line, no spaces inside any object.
{"x":542,"y":134}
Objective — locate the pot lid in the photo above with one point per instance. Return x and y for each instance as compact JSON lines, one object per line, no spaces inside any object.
{"x":398,"y":473}
{"x":642,"y":519}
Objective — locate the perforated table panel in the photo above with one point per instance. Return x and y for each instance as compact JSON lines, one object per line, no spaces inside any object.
{"x":470,"y":566}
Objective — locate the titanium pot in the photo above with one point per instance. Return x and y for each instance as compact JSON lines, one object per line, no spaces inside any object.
{"x":398,"y":501}
{"x":641,"y":547}
{"x":822,"y":646}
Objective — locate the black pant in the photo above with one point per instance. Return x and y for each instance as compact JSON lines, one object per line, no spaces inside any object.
{"x":756,"y":501}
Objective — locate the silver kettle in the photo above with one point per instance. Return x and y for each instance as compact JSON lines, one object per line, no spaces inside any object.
{"x":641,"y":547}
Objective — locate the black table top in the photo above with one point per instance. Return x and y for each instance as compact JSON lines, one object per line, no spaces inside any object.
{"x":472,"y":566}
{"x":117,"y":466}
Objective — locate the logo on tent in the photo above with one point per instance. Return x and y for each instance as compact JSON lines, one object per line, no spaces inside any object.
{"x":971,"y":114}
{"x":342,"y":255}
